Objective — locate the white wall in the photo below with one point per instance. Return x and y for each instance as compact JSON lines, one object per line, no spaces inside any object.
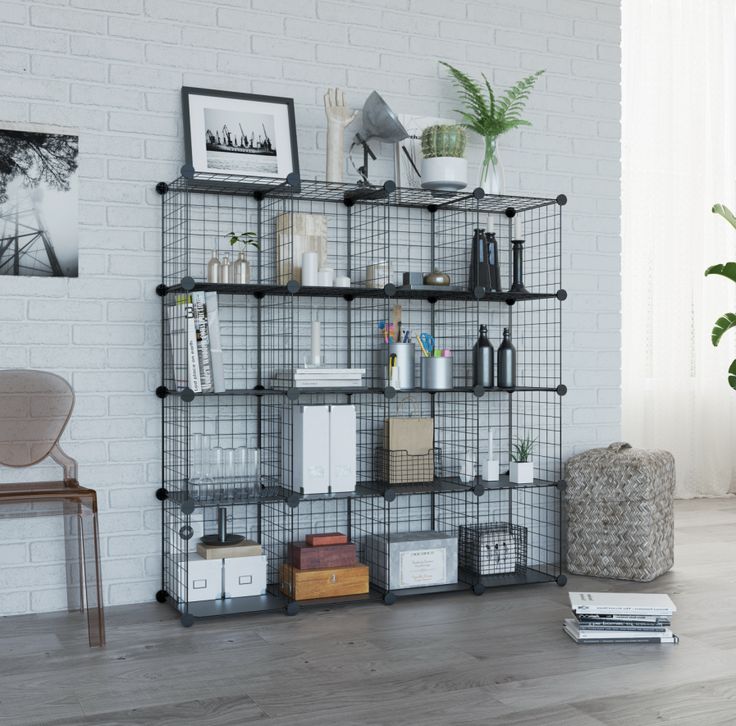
{"x":113,"y":69}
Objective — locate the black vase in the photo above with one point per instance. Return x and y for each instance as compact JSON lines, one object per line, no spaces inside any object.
{"x":506,"y":362}
{"x":479,"y":274}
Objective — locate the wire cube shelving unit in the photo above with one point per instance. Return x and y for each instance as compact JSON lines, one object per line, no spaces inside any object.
{"x":265,"y":329}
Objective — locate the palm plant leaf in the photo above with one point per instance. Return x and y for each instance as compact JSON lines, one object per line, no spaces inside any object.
{"x":724,"y":323}
{"x":725,"y":212}
{"x":732,"y":374}
{"x":727,"y":270}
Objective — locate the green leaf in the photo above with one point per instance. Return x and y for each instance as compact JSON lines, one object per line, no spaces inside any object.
{"x":732,"y":374}
{"x":726,"y":270}
{"x":724,"y":323}
{"x":725,"y":212}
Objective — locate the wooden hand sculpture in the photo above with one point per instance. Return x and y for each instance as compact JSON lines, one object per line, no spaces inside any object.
{"x":338,"y":117}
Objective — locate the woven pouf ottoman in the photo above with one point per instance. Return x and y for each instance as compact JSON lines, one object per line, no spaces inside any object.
{"x":619,"y":504}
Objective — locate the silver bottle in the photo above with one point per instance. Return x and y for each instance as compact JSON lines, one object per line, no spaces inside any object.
{"x":213,"y":268}
{"x":224,"y":276}
{"x":241,"y":270}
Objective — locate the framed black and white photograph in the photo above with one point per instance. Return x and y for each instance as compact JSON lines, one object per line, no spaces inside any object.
{"x":239,"y":134}
{"x":39,"y":192}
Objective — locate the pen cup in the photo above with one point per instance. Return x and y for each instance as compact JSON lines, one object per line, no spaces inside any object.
{"x":404,"y":353}
{"x":436,"y":374}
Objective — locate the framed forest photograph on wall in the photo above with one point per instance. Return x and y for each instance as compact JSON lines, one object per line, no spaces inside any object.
{"x":239,"y":134}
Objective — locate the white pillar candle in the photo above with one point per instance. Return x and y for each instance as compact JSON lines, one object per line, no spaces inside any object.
{"x":310,"y":265}
{"x":490,"y":444}
{"x":316,"y":343}
{"x":518,"y":228}
{"x":326,"y":277}
{"x":342,"y":281}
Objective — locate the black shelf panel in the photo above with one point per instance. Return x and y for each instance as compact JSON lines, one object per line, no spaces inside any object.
{"x":235,"y":605}
{"x":431,"y":590}
{"x":272,"y":493}
{"x":390,"y":491}
{"x":527,"y":576}
{"x":326,"y":602}
{"x":505,"y":483}
{"x":397,"y":293}
{"x":340,"y":193}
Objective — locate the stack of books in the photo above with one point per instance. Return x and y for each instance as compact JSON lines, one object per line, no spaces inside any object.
{"x":618,"y":617}
{"x":325,"y":377}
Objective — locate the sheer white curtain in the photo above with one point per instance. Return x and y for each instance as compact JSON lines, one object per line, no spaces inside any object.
{"x":679,"y":157}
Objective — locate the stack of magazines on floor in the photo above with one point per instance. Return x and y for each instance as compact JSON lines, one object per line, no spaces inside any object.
{"x":620,"y":617}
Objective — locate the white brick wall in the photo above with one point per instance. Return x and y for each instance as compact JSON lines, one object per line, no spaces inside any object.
{"x":113,"y":69}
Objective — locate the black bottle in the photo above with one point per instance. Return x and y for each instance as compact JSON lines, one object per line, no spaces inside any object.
{"x":483,"y":360}
{"x":506,"y":362}
{"x":479,"y":274}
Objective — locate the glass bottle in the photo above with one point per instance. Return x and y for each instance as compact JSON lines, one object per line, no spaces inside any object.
{"x":224,"y":276}
{"x":483,"y":360}
{"x":213,"y":268}
{"x":506,"y":362}
{"x":241,"y":270}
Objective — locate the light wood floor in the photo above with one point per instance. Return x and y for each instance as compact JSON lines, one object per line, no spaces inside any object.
{"x":454,"y":659}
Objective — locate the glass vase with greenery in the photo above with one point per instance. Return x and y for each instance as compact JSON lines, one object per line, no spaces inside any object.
{"x":490,"y":117}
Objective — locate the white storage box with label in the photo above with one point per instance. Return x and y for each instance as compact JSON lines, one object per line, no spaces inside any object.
{"x":204,"y":579}
{"x":245,"y":576}
{"x":343,"y":447}
{"x":311,"y":455}
{"x":492,"y":549}
{"x":413,"y":559}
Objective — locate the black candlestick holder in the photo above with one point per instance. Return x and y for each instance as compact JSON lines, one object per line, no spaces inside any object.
{"x":518,"y":284}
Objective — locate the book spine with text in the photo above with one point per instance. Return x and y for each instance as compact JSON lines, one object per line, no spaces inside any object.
{"x":177,"y":324}
{"x":216,"y":357}
{"x":192,"y":353}
{"x":203,"y":340}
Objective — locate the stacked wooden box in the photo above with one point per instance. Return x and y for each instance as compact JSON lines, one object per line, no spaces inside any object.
{"x":325,"y":565}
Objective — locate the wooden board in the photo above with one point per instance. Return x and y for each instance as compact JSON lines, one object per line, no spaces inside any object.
{"x":247,"y":548}
{"x":322,"y":539}
{"x":328,"y":582}
{"x":304,"y":557}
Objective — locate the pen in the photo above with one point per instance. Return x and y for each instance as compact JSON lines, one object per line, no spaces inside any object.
{"x":421,"y":345}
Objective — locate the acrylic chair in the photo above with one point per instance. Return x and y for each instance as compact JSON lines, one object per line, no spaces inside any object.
{"x":35,"y":407}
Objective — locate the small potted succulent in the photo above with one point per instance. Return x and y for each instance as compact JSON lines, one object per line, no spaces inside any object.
{"x":444,"y":167}
{"x":521,"y":469}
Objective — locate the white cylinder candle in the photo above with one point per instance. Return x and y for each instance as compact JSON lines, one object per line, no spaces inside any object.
{"x":342,"y":281}
{"x":490,"y":444}
{"x":518,"y":228}
{"x":326,"y":277}
{"x":310,"y":266}
{"x":316,"y":343}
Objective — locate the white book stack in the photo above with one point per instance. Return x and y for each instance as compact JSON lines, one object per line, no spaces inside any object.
{"x":617,"y":617}
{"x":325,"y":377}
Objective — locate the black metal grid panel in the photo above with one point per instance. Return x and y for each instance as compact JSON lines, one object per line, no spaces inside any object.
{"x":537,"y":509}
{"x":197,"y":223}
{"x":537,"y":415}
{"x":284,"y":524}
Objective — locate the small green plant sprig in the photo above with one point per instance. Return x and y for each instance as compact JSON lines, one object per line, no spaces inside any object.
{"x":247,"y":239}
{"x":523,"y":449}
{"x":728,"y":270}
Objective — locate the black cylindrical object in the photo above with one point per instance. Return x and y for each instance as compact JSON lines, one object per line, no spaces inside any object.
{"x":518,"y":284}
{"x":483,"y":360}
{"x":479,"y":274}
{"x":506,"y":362}
{"x":222,"y":524}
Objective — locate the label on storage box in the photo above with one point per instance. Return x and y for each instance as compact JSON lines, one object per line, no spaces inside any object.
{"x":420,"y":568}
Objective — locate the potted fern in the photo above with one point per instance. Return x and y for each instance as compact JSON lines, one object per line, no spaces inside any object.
{"x":521,"y":468}
{"x":443,"y":164}
{"x":727,"y":269}
{"x":490,"y":117}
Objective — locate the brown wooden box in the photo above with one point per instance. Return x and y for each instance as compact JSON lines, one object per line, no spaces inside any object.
{"x":304,"y":557}
{"x":327,"y":583}
{"x":326,"y":538}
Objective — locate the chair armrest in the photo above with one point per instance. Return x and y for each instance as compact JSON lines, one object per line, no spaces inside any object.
{"x":65,"y":461}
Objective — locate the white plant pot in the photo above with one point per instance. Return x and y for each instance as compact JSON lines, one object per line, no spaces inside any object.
{"x":521,"y":473}
{"x":444,"y":173}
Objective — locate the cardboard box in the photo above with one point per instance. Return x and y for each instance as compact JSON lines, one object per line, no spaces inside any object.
{"x":311,"y":450}
{"x":343,"y":448}
{"x":305,"y":557}
{"x":245,"y":576}
{"x":204,"y":579}
{"x":413,"y":559}
{"x":324,"y":583}
{"x":415,"y":436}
